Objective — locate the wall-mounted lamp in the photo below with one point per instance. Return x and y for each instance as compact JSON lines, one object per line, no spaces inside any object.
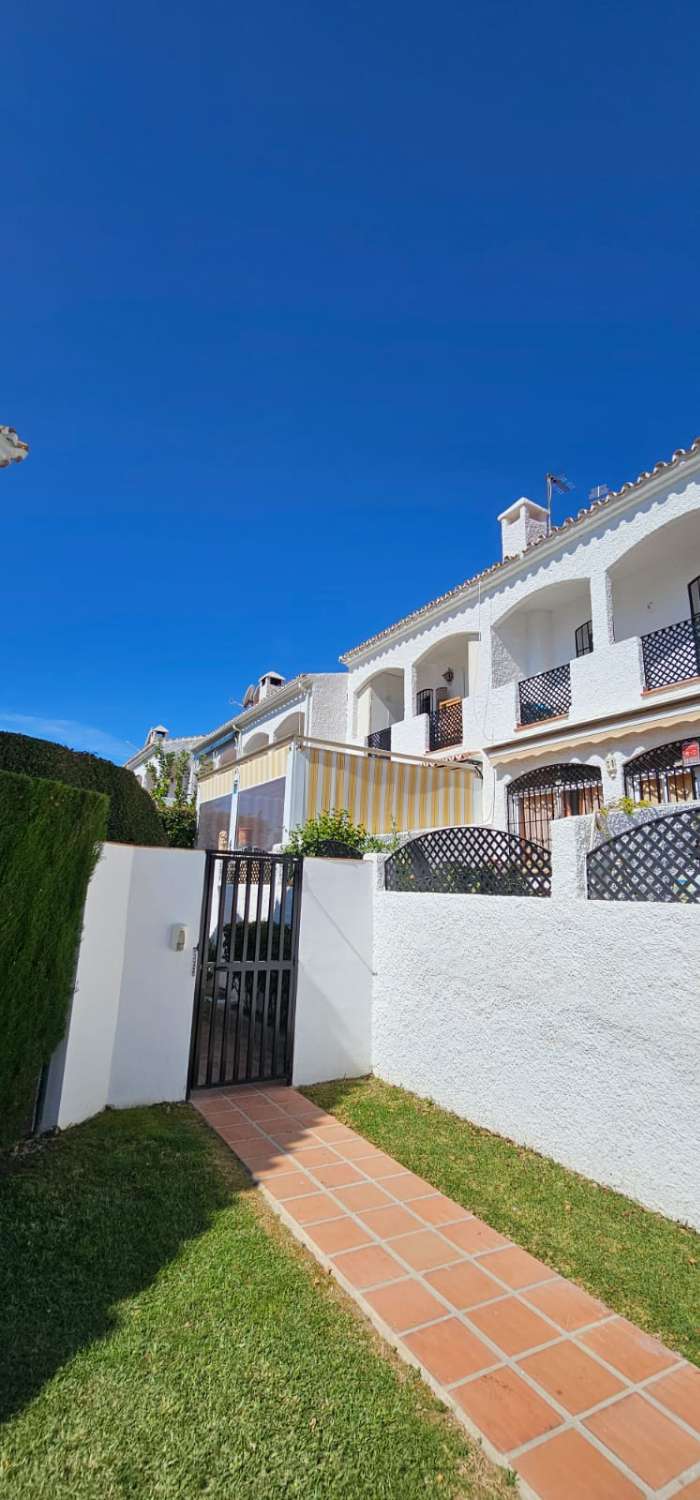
{"x":448,"y":676}
{"x":611,"y":765}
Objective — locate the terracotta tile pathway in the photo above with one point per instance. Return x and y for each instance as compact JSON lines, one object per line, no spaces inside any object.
{"x":580,"y":1402}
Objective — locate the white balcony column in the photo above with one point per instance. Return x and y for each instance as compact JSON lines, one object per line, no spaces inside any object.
{"x":410,"y":677}
{"x":602,"y":610}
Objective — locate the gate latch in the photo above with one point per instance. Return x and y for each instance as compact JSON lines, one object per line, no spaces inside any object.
{"x":195,"y":951}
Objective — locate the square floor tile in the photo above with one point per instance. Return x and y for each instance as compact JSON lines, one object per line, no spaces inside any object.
{"x":405,"y":1304}
{"x":334,"y":1133}
{"x":440,"y":1210}
{"x":283,"y":1185}
{"x":232,"y":1130}
{"x":260,"y":1109}
{"x":691,"y":1491}
{"x":575,"y":1380}
{"x":517,"y":1268}
{"x":567,"y":1304}
{"x":473,"y":1236}
{"x":368,"y":1267}
{"x":407,"y":1186}
{"x":388,"y":1221}
{"x":260,"y":1153}
{"x":424,"y":1250}
{"x":338,"y":1174}
{"x":355,"y":1149}
{"x":363,"y":1195}
{"x":568,"y":1466}
{"x":313,"y":1209}
{"x":313,"y":1156}
{"x":680,"y":1393}
{"x":449,"y":1351}
{"x":381,"y":1166}
{"x":289,"y":1136}
{"x":512,"y":1326}
{"x":506,"y":1409}
{"x":338,"y":1234}
{"x":464,"y":1284}
{"x":652,"y":1446}
{"x":625,"y":1347}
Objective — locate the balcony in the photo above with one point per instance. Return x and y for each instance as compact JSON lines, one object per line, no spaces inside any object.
{"x":446,"y":724}
{"x":380,"y":739}
{"x":672,"y":654}
{"x":545,"y":696}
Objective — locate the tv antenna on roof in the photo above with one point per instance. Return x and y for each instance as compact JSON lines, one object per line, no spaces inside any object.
{"x":555,"y":482}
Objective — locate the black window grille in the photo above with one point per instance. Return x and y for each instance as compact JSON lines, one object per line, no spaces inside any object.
{"x":563,"y":791}
{"x":470,"y":861}
{"x":546,"y":695}
{"x":672,"y":654}
{"x":694,"y":596}
{"x":584,"y":638}
{"x":379,"y":739}
{"x":424,"y":701}
{"x":656,"y":861}
{"x":660,"y":775}
{"x":446,"y":725}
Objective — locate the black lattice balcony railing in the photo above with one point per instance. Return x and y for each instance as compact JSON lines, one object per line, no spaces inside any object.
{"x":672,"y":654}
{"x":446,"y":725}
{"x":545,"y":696}
{"x":379,"y":739}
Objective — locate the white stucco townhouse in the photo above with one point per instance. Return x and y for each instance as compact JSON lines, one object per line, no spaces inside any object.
{"x":571,"y":667}
{"x":143,"y":762}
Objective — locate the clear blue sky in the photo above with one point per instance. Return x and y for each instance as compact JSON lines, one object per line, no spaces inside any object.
{"x":295,"y":298}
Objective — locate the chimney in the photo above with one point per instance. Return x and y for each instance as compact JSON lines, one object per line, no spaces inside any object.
{"x":269,"y":683}
{"x":523,"y":523}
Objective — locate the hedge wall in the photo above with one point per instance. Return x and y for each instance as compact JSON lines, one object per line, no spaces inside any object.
{"x":133,"y":816}
{"x":49,"y":842}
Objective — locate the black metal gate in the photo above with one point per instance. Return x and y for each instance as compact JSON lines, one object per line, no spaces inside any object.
{"x":243,"y":1025}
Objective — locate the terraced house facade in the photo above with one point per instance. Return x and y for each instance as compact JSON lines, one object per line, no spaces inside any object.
{"x":570,"y":669}
{"x":561,"y":678}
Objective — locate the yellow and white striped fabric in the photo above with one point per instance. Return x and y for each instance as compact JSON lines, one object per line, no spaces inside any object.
{"x":267,"y":766}
{"x":380,"y":793}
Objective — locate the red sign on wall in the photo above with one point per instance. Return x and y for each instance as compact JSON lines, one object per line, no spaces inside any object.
{"x":690,"y":752}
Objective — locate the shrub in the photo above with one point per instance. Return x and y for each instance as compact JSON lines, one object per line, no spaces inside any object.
{"x":180,"y":824}
{"x":337,"y":827}
{"x":132,"y":819}
{"x":49,"y":843}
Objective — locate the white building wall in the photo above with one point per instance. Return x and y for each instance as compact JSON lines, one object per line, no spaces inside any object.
{"x":334,"y":988}
{"x":607,"y":682}
{"x":329,"y":706}
{"x":572,"y":1027}
{"x":129,"y":1028}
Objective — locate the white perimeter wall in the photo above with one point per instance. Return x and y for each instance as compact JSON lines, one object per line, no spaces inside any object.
{"x":570,"y":1026}
{"x":129,"y":1029}
{"x":334,"y":985}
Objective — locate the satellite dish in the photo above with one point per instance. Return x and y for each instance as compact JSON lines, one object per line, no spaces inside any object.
{"x":12,"y":449}
{"x":249,"y":695}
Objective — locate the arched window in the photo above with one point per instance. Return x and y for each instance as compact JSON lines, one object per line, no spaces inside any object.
{"x":666,"y":774}
{"x":551,"y":792}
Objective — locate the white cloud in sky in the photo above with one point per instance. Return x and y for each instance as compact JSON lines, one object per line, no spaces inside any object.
{"x":69,"y":732}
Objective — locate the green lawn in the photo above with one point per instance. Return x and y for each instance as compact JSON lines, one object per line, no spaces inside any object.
{"x":162,"y":1336}
{"x":643,"y":1265}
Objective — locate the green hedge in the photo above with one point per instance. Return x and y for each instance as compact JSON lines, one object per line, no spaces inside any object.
{"x":133,"y":816}
{"x":180,"y":824}
{"x":49,"y":840}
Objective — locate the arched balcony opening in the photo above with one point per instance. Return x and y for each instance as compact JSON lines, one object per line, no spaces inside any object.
{"x":441,"y":679}
{"x":656,"y":596}
{"x":293,"y":724}
{"x":379,"y":704}
{"x":535,"y":642}
{"x":258,"y":741}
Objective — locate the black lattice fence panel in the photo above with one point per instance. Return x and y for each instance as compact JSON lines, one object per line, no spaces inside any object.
{"x":470,"y":861}
{"x":672,"y":654}
{"x":657,"y":861}
{"x":546,"y":695}
{"x":446,"y":725}
{"x":379,"y":739}
{"x":336,"y":849}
